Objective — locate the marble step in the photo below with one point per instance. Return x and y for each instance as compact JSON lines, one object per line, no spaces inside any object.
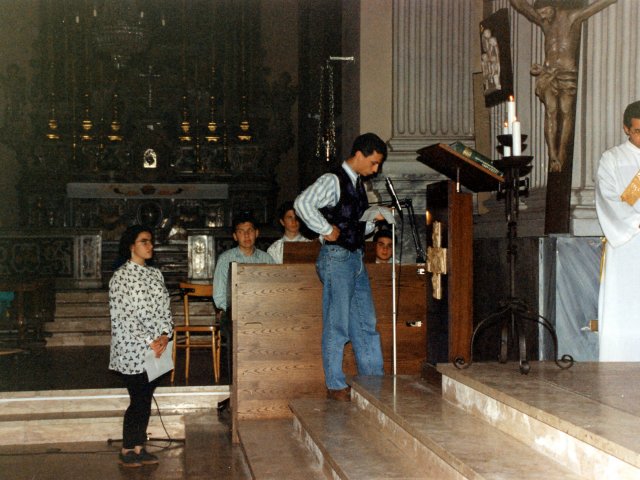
{"x":274,"y":460}
{"x":95,"y":415}
{"x":82,"y":317}
{"x":453,"y":443}
{"x":79,"y":339}
{"x":79,"y":325}
{"x":557,"y":412}
{"x":101,"y":309}
{"x":349,"y":445}
{"x":82,"y":296}
{"x":81,"y":310}
{"x":97,"y":427}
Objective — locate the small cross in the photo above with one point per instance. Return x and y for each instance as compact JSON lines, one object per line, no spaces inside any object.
{"x":150,"y":76}
{"x":437,"y":260}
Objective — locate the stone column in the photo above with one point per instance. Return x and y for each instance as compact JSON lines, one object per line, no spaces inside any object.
{"x":433,"y":45}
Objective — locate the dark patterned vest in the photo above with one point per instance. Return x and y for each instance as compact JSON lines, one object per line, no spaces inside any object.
{"x":346,"y":214}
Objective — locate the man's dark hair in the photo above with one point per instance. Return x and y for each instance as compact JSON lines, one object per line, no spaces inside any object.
{"x":632,"y":111}
{"x":243,"y":217}
{"x":284,"y":208}
{"x":382,"y":233}
{"x":367,"y":143}
{"x":127,"y":239}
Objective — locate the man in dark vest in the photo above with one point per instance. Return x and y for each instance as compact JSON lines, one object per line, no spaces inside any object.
{"x":332,"y":207}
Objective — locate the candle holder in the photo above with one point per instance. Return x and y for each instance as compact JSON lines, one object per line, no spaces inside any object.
{"x":513,"y":313}
{"x":507,"y":140}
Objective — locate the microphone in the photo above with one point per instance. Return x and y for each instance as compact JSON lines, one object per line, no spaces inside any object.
{"x":394,"y":197}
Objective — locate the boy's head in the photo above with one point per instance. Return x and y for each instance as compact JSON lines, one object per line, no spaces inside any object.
{"x":245,"y":230}
{"x":383,"y":240}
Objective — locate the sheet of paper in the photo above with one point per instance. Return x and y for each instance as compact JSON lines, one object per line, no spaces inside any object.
{"x":156,"y":367}
{"x":372,"y":212}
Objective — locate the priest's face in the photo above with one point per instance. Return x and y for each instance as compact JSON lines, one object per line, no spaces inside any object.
{"x":633,"y":131}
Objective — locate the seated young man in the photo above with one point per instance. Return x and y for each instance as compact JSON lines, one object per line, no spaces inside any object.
{"x":245,"y":232}
{"x":383,"y":241}
{"x":291,"y":224}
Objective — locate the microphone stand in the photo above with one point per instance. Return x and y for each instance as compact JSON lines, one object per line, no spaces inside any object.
{"x":394,"y":312}
{"x":420,"y":255}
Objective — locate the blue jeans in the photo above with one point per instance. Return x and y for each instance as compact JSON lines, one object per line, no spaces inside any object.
{"x":348,"y":315}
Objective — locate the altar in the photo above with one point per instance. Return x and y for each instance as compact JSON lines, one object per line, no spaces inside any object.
{"x":162,"y":206}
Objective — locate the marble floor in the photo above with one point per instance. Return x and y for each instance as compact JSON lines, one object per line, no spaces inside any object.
{"x":603,"y":395}
{"x":206,"y":452}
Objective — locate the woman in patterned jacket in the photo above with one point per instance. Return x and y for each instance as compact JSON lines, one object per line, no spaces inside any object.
{"x":140,"y":321}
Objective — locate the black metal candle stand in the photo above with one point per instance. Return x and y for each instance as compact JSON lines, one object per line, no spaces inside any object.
{"x":513,"y":312}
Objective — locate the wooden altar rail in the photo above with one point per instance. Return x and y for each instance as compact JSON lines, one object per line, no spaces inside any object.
{"x":277,"y":327}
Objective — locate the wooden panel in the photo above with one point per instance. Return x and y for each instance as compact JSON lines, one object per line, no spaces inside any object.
{"x":307,"y":252}
{"x":460,"y":234}
{"x":450,"y":321}
{"x":277,"y":328}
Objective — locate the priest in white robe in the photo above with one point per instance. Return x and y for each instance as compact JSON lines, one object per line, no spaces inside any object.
{"x":618,"y":208}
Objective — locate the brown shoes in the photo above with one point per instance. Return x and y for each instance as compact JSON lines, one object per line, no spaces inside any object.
{"x":343,"y":395}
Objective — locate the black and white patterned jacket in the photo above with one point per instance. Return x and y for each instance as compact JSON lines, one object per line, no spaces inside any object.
{"x":140,"y":313}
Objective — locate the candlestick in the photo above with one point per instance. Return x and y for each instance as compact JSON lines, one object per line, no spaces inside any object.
{"x":516,"y":139}
{"x":511,"y":112}
{"x":506,"y":151}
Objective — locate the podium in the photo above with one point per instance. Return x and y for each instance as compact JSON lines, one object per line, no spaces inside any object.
{"x":450,"y":250}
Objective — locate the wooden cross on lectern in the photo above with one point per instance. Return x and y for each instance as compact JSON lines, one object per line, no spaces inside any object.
{"x":437,"y":260}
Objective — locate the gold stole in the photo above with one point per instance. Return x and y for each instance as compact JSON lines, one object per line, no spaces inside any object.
{"x":632,"y":193}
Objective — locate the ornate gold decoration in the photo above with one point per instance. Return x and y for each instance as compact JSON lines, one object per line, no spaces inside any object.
{"x":87,"y":124}
{"x":245,"y":129}
{"x":114,"y":127}
{"x":212,"y":135}
{"x":52,"y":132}
{"x":437,"y":260}
{"x":185,"y":125}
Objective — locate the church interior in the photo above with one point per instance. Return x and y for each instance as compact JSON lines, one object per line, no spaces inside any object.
{"x":183,"y":115}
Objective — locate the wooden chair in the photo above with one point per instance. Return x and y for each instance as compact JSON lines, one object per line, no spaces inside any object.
{"x":182,"y":334}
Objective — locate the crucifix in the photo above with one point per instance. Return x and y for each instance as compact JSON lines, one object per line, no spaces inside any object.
{"x":437,"y":260}
{"x":149,"y":76}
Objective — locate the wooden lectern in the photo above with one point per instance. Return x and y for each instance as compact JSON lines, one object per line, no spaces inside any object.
{"x":450,"y":251}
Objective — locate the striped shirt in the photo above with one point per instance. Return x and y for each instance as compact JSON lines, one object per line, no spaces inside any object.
{"x":324,"y":192}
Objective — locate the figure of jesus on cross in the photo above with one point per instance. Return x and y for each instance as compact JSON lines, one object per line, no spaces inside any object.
{"x":557,"y":78}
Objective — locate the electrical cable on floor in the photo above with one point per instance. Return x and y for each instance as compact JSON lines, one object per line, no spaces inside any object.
{"x":110,"y":442}
{"x":169,"y":439}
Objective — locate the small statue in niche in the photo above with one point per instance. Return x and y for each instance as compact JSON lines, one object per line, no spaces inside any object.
{"x":557,"y":78}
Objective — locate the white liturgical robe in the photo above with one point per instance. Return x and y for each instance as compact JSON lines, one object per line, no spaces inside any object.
{"x":619,"y":299}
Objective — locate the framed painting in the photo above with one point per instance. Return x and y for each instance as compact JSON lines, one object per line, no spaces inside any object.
{"x":497,"y":72}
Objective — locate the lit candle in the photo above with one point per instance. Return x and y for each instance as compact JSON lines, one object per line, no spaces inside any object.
{"x":516,"y":141}
{"x":506,"y":151}
{"x":511,"y":112}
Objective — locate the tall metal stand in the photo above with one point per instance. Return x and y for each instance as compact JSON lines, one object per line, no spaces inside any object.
{"x":513,"y":313}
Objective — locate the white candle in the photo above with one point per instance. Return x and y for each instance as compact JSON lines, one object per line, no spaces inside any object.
{"x":516,"y":142}
{"x":511,"y":112}
{"x":506,"y":151}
